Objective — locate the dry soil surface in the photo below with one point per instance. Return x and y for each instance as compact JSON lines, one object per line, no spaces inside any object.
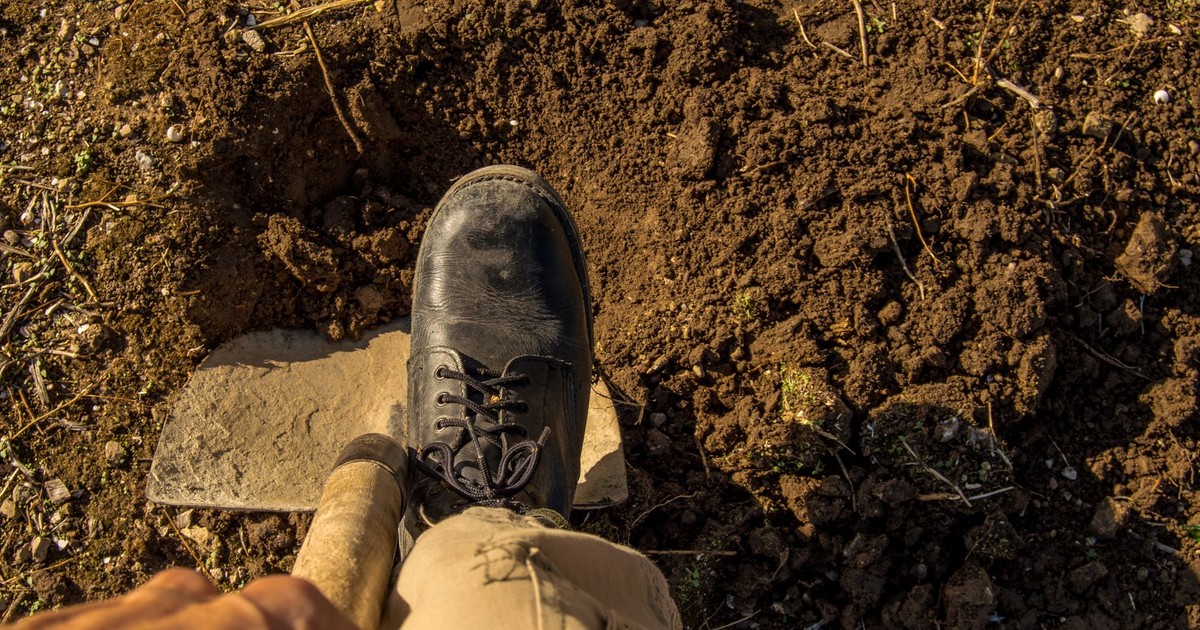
{"x":905,"y":310}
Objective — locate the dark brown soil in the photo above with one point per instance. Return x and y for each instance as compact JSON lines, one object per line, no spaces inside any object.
{"x":924,"y":356}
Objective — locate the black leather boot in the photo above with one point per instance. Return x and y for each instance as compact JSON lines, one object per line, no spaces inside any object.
{"x":501,"y":358}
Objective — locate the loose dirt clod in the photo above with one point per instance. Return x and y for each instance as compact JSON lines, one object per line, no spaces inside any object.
{"x":1150,"y":255}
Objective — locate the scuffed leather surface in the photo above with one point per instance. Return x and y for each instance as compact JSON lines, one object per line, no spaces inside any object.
{"x":498,"y":286}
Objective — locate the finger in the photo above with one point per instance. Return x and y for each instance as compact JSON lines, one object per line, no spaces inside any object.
{"x":165,"y":594}
{"x":273,"y":603}
{"x":184,"y":583}
{"x":294,"y":604}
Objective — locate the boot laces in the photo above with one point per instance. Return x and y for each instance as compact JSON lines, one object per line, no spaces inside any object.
{"x":517,"y":461}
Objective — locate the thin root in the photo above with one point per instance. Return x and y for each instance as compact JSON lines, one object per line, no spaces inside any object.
{"x":337,"y":106}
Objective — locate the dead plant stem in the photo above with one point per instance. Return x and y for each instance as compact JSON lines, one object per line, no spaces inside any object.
{"x":75,"y":274}
{"x":979,"y":45}
{"x":303,"y":15}
{"x":900,"y":255}
{"x":862,"y":31}
{"x":908,"y":178}
{"x":183,"y":541}
{"x":802,"y":33}
{"x":837,"y":50}
{"x":935,"y":473}
{"x":337,"y":106}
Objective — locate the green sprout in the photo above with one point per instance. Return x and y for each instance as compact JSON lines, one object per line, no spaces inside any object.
{"x":83,"y":161}
{"x":746,"y":306}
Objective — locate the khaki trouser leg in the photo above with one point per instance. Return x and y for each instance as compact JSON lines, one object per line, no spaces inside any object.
{"x":490,"y":568}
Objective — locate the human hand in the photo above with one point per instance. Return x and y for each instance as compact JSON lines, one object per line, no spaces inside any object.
{"x":185,"y":600}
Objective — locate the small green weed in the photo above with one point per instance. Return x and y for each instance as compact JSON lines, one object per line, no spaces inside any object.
{"x":83,"y":161}
{"x":877,"y":26}
{"x":1193,"y":532}
{"x":746,"y":306}
{"x":797,"y":395}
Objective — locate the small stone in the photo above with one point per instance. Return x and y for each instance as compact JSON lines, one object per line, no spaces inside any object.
{"x":1142,"y":574}
{"x":183,"y":520}
{"x":1107,"y":518}
{"x":657,"y":442}
{"x":370,"y":300}
{"x":1139,"y":23}
{"x":175,"y":133}
{"x":1193,"y":148}
{"x":199,"y":535}
{"x":1150,"y":254}
{"x":947,"y":430}
{"x":66,"y":30}
{"x":125,"y":131}
{"x":254,"y":40}
{"x":216,"y":573}
{"x":1162,"y":97}
{"x":698,"y":370}
{"x":23,"y":554}
{"x":114,"y":453}
{"x":1069,"y":473}
{"x":39,"y":548}
{"x":659,"y":364}
{"x":57,"y":491}
{"x":1084,"y":577}
{"x":8,"y":509}
{"x":1185,"y":257}
{"x":1097,"y":126}
{"x":658,"y":419}
{"x":22,"y":271}
{"x":144,"y":161}
{"x":12,"y":238}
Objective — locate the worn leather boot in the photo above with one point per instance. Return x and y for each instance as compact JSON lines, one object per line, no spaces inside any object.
{"x":501,"y":357}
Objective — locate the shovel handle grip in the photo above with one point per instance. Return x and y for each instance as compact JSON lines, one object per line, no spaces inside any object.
{"x":351,"y":543}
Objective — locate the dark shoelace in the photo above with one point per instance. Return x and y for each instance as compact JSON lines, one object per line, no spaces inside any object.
{"x":517,"y":461}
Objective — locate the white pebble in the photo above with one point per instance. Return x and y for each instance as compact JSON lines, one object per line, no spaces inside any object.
{"x":1161,"y":97}
{"x":1070,"y":473}
{"x":175,"y":133}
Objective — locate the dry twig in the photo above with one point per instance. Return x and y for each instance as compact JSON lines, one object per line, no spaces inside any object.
{"x":837,"y":50}
{"x":673,"y":499}
{"x":862,"y":31}
{"x":913,"y":213}
{"x":302,"y":15}
{"x":183,"y":541}
{"x":979,"y":45}
{"x":935,"y":473}
{"x":903,"y":263}
{"x":1034,"y":102}
{"x":337,"y":106}
{"x":802,"y":33}
{"x":1110,"y":360}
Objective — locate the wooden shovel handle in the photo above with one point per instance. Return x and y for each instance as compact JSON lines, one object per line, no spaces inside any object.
{"x":351,"y":544}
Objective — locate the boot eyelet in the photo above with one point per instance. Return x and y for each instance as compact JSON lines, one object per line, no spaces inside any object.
{"x":440,"y":372}
{"x":441,"y":399}
{"x":438,"y":424}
